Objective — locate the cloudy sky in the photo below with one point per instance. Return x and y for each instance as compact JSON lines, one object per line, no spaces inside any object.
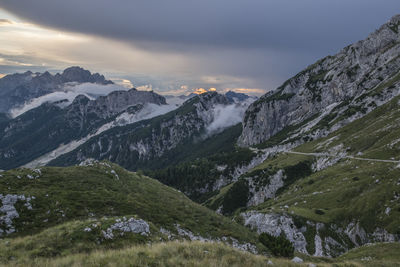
{"x":176,"y":46}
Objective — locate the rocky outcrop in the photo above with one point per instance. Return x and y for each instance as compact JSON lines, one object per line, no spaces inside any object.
{"x":8,"y":211}
{"x":261,"y":194}
{"x":324,"y":239}
{"x":275,"y":224}
{"x":361,"y":76}
{"x":124,"y":225}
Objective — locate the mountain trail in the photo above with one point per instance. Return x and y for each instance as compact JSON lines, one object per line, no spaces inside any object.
{"x":348,"y":157}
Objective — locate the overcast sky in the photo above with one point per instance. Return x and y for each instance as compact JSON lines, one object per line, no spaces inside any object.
{"x":176,"y":46}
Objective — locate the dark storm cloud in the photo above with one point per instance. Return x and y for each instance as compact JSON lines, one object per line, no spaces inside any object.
{"x":290,"y":24}
{"x":258,"y":39}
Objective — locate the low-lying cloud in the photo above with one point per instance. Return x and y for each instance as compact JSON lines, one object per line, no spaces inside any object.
{"x":226,"y":116}
{"x":68,"y":93}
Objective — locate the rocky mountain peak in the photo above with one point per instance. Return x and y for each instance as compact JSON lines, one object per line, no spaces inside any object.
{"x":395,"y":20}
{"x":367,"y":65}
{"x":78,"y":74}
{"x":16,"y":89}
{"x":214,"y":98}
{"x":115,"y":102}
{"x":384,"y":37}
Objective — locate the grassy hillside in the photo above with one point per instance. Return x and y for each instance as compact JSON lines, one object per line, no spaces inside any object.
{"x":164,"y":254}
{"x":380,"y":254}
{"x":210,"y":254}
{"x":69,"y":210}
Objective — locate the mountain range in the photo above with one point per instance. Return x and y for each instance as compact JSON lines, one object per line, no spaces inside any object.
{"x":312,"y":166}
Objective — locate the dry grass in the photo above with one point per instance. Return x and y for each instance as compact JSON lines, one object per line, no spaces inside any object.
{"x":161,"y":254}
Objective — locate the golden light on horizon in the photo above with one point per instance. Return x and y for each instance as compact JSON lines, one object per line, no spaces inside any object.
{"x":200,"y":91}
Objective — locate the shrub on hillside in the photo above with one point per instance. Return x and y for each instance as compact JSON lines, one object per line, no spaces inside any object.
{"x":236,"y":197}
{"x":278,"y":245}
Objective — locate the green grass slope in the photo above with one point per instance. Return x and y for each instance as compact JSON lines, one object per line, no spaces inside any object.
{"x":379,"y":254}
{"x":69,"y":210}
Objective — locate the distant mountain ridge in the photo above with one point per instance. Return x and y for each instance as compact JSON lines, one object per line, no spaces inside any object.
{"x":115,"y":102}
{"x":57,"y":127}
{"x":157,"y":141}
{"x":236,"y":96}
{"x":16,"y":89}
{"x":43,"y":129}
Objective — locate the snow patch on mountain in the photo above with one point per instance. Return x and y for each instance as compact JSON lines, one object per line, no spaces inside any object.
{"x":148,"y":111}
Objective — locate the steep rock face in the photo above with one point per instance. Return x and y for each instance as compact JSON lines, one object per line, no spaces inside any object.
{"x":148,"y":140}
{"x":344,"y":78}
{"x":15,"y":89}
